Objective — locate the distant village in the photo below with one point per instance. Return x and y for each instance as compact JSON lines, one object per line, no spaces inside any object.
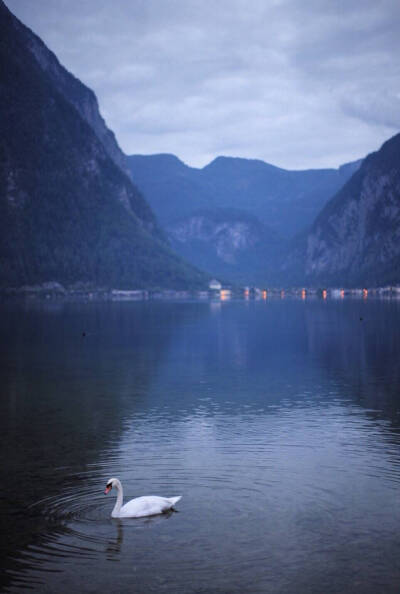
{"x":216,"y":291}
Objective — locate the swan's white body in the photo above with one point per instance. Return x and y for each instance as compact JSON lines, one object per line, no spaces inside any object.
{"x":150,"y":505}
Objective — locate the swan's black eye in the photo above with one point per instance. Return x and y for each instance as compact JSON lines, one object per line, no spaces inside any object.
{"x":109,"y":485}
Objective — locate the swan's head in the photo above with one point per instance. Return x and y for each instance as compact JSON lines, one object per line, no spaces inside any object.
{"x":110,"y":483}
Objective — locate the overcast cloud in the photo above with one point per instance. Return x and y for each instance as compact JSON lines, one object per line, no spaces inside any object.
{"x":297,"y":83}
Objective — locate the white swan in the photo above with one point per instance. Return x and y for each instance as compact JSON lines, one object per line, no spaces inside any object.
{"x":139,"y":507}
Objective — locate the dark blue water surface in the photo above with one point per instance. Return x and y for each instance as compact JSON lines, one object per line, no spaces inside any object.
{"x":278,"y":422}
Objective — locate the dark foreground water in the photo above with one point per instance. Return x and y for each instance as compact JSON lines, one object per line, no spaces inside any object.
{"x":278,"y":422}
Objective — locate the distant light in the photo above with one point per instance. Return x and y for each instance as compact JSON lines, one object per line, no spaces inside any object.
{"x":365,"y":293}
{"x":282,"y":294}
{"x":303,"y":294}
{"x":225,"y":294}
{"x":264,"y":294}
{"x":324,"y":294}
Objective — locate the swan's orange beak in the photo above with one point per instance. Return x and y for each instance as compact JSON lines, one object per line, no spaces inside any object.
{"x":107,"y":490}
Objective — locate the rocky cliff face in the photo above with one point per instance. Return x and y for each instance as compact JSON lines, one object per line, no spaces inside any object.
{"x":356,"y":238}
{"x":72,"y":89}
{"x":67,"y":211}
{"x":227,"y":243}
{"x":229,"y":238}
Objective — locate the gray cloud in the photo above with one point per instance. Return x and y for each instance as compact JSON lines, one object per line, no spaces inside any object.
{"x":307,"y":83}
{"x":382,"y":109}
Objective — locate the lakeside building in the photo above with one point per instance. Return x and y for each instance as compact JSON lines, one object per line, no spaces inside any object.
{"x":215,"y":285}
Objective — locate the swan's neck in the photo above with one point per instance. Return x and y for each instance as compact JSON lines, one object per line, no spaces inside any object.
{"x":120,"y":498}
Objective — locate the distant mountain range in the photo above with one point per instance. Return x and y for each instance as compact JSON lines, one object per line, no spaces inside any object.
{"x":69,"y":211}
{"x":318,"y":227}
{"x":355,"y":240}
{"x":234,"y":217}
{"x":285,"y":201}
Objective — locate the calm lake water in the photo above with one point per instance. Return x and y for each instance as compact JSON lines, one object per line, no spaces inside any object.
{"x":278,"y":422}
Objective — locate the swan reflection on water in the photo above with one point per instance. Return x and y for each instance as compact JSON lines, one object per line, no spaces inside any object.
{"x":114,"y":545}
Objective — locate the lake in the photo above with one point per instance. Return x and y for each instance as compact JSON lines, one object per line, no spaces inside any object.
{"x":277,"y":421}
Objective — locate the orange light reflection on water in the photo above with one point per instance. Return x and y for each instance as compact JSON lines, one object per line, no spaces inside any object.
{"x":225,"y":295}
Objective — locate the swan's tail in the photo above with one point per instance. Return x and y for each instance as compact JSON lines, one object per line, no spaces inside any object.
{"x":174,"y":500}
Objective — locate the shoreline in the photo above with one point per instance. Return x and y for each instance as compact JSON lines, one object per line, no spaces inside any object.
{"x":55,"y":291}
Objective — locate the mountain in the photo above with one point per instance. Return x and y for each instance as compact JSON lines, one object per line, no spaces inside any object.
{"x":285,"y":201}
{"x":68,"y":212}
{"x":74,"y":91}
{"x":230,"y":244}
{"x":355,"y":240}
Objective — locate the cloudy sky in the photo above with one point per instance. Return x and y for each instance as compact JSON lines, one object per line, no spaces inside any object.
{"x":297,"y":83}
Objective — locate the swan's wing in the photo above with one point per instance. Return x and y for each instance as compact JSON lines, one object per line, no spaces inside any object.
{"x":149,"y":505}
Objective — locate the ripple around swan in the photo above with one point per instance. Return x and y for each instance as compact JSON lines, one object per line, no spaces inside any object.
{"x":78,"y":526}
{"x":77,"y":506}
{"x":83,"y":504}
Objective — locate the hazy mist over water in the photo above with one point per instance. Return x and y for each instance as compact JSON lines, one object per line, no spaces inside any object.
{"x":277,"y":421}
